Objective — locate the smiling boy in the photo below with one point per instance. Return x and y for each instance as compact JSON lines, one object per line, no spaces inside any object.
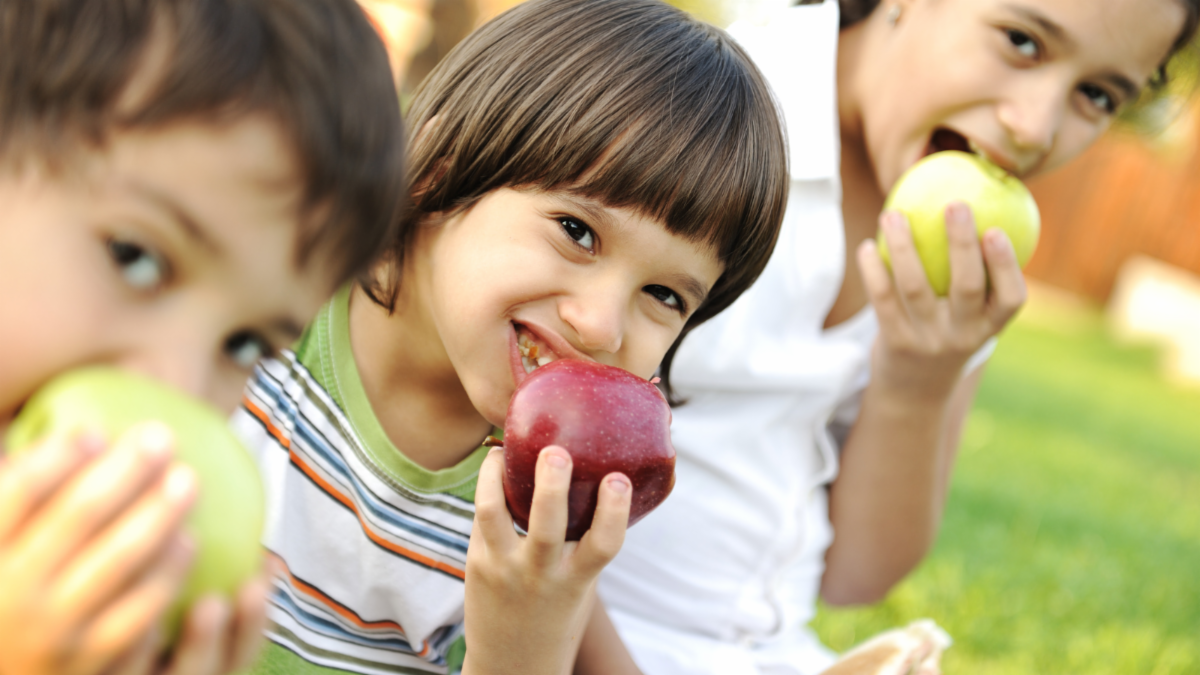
{"x":182,"y":184}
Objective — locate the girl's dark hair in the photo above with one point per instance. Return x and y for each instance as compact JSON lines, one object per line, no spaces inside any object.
{"x":629,"y":102}
{"x":316,"y":67}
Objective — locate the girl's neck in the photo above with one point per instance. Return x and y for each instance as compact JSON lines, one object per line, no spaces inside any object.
{"x":861,"y":197}
{"x":411,"y":384}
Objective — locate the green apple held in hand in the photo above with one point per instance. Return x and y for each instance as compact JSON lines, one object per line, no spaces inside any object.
{"x":997,"y":200}
{"x":226,"y":520}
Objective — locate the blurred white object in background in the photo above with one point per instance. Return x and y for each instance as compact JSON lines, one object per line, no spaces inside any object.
{"x":752,"y":10}
{"x":1159,"y":303}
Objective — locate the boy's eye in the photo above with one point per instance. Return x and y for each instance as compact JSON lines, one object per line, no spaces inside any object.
{"x":245,"y":349}
{"x":141,"y":269}
{"x":580,"y":233}
{"x":667,"y":297}
{"x":1024,"y":44}
{"x":1099,"y":98}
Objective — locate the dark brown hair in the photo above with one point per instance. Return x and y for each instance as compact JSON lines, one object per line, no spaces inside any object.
{"x":630,"y":102}
{"x":315,"y":66}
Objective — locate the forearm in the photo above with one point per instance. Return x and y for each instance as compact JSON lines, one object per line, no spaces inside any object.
{"x":602,"y":652}
{"x":886,"y":504}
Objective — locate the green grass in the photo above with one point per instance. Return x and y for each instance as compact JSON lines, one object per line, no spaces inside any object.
{"x":1071,"y":542}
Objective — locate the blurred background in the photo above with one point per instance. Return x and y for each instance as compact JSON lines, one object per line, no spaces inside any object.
{"x":1072,"y":537}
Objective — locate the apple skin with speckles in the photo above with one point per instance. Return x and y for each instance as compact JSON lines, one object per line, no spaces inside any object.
{"x":608,"y":419}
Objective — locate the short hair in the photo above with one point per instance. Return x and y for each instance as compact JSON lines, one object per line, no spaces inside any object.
{"x":316,"y":67}
{"x":630,"y":102}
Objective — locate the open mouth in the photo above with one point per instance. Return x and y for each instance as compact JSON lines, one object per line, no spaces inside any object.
{"x":534,"y":354}
{"x":946,"y":139}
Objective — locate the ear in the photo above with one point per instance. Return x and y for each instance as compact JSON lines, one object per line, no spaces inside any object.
{"x":422,"y":184}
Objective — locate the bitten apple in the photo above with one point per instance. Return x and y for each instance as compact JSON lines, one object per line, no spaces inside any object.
{"x":997,"y":200}
{"x":608,"y":419}
{"x":227,"y":518}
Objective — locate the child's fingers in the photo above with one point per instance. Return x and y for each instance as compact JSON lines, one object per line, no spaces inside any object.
{"x":968,"y":280}
{"x":548,"y":513}
{"x":124,"y":549}
{"x":202,"y":644}
{"x":493,"y":523}
{"x":1008,"y":284}
{"x":93,"y":498}
{"x":143,"y":659}
{"x":602,"y":542}
{"x":28,"y":480}
{"x":878,"y":283}
{"x":908,"y":274}
{"x":249,"y":621}
{"x":139,"y":608}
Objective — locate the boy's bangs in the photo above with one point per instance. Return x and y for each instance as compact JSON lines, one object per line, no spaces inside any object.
{"x":630,"y":102}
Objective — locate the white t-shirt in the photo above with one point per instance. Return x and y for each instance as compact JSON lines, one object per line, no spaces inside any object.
{"x":723,"y":578}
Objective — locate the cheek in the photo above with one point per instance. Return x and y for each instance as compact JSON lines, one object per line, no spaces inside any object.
{"x":1072,"y":141}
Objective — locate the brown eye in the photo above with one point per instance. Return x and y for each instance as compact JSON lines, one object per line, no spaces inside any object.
{"x":1024,"y":44}
{"x":140,"y":268}
{"x":245,"y":349}
{"x":667,"y":297}
{"x":580,"y":233}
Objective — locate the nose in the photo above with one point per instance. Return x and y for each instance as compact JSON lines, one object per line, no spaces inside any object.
{"x":181,"y":359}
{"x":1032,"y":117}
{"x":597,"y":317}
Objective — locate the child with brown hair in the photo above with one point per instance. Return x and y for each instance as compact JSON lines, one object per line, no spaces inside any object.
{"x":591,"y":177}
{"x":183,"y":183}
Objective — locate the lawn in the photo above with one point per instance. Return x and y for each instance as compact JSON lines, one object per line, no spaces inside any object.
{"x":1071,"y":543}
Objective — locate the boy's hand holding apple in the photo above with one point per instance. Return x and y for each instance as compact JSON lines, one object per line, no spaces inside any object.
{"x":94,"y":552}
{"x":581,"y":440}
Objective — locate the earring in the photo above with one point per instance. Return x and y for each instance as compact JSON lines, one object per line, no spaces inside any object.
{"x":893,"y":15}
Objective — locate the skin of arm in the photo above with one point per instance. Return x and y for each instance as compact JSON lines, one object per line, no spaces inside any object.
{"x":602,"y":652}
{"x":886,"y":504}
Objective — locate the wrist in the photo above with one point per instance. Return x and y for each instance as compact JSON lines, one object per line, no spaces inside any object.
{"x":913,"y":382}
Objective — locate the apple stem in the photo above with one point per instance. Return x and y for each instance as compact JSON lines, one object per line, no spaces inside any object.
{"x":492,"y":442}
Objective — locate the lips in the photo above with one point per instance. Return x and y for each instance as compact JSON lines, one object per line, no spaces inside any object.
{"x":943,"y":139}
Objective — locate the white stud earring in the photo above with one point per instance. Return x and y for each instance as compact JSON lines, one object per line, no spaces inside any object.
{"x":893,"y":15}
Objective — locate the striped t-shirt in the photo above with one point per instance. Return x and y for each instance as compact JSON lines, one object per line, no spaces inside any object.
{"x":370,"y":548}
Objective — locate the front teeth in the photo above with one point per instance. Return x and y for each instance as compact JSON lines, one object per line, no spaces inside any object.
{"x":531,"y":359}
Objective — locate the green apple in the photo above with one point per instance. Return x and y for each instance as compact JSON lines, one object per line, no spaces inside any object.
{"x":997,"y":200}
{"x":226,"y":520}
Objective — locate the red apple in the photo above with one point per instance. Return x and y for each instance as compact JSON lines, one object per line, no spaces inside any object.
{"x":608,"y":419}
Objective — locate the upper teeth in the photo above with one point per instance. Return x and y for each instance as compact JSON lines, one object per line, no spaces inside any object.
{"x":531,"y":357}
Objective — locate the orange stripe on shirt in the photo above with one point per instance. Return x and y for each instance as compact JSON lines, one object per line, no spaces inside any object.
{"x":345,"y":499}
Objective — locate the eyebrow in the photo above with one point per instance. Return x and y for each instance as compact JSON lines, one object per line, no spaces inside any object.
{"x":180,"y":214}
{"x":1127,"y":86}
{"x":692,"y":286}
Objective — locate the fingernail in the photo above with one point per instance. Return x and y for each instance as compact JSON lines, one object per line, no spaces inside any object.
{"x":495,"y":451}
{"x":556,"y":460}
{"x":956,"y":212}
{"x":155,"y":440}
{"x":180,"y":484}
{"x":91,"y":442}
{"x":182,"y":549}
{"x":996,"y":240}
{"x":619,"y":484}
